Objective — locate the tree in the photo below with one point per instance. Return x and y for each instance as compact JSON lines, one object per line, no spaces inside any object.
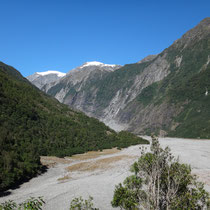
{"x":160,"y":182}
{"x":30,"y":204}
{"x":80,"y":204}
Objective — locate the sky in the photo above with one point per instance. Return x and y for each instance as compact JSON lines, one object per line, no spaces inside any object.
{"x":41,"y":35}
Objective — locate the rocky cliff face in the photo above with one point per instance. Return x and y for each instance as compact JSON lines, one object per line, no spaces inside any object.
{"x":40,"y":79}
{"x":88,"y":87}
{"x":148,"y":58}
{"x":152,"y":71}
{"x":76,"y":88}
{"x":148,"y":96}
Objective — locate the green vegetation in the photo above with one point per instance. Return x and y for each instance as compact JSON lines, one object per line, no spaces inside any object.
{"x":34,"y":124}
{"x":37,"y":204}
{"x":55,"y":89}
{"x":147,"y":95}
{"x":120,"y":79}
{"x":194,"y":120}
{"x":80,"y":204}
{"x":184,"y":88}
{"x":30,"y":204}
{"x":106,"y":84}
{"x":160,"y":182}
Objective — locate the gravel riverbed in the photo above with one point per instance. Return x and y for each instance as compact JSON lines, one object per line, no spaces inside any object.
{"x":96,"y":174}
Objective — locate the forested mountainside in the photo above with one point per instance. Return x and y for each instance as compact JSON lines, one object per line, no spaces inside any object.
{"x":166,"y":94}
{"x":178,"y":105}
{"x":33,"y":124}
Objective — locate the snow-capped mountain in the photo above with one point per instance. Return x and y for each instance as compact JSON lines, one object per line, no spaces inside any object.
{"x":58,"y":73}
{"x":40,"y":79}
{"x":96,"y":63}
{"x":46,"y":80}
{"x":87,"y":70}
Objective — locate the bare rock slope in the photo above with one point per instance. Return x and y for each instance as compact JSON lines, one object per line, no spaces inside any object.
{"x":40,"y":79}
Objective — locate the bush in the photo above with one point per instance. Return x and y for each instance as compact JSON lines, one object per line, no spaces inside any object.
{"x":30,"y":204}
{"x":160,"y":182}
{"x":80,"y":204}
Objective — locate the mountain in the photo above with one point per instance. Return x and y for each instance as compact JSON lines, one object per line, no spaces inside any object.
{"x":72,"y":88}
{"x":33,"y":124}
{"x":39,"y":79}
{"x":166,"y":94}
{"x":178,"y":104}
{"x":148,"y":58}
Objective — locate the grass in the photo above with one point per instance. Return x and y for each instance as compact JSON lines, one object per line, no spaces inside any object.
{"x":100,"y":164}
{"x":66,"y":177}
{"x":94,"y":154}
{"x":51,"y":161}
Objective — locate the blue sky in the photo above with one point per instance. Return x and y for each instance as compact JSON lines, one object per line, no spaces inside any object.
{"x":40,"y":35}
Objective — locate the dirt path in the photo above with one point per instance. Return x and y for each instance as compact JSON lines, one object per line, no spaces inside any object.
{"x":96,"y":173}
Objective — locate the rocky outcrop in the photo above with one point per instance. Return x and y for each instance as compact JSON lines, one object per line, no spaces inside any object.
{"x":76,"y":90}
{"x":154,"y":72}
{"x":40,"y":79}
{"x":148,"y":58}
{"x":196,"y":34}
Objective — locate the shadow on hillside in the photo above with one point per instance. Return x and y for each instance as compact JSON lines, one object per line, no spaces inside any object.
{"x":6,"y":193}
{"x":22,"y":181}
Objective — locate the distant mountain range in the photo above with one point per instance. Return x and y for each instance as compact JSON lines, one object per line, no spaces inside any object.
{"x":45,"y":80}
{"x":166,"y":94}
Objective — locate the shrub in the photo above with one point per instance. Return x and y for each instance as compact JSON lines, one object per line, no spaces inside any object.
{"x":160,"y":182}
{"x":30,"y":204}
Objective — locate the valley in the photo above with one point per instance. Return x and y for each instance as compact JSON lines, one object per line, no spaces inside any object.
{"x":96,"y":173}
{"x":110,"y":101}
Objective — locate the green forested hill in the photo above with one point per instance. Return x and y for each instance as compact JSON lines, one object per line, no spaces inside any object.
{"x":34,"y":124}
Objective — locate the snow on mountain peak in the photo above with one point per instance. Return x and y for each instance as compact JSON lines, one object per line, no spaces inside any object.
{"x":59,"y":74}
{"x":96,"y":63}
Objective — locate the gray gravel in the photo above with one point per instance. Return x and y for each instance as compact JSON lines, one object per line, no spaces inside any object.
{"x":100,"y":184}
